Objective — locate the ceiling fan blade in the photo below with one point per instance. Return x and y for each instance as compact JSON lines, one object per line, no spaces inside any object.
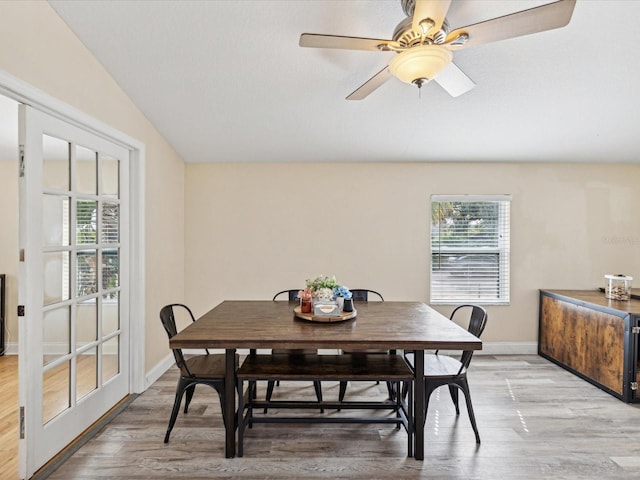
{"x":526,"y":22}
{"x":370,"y":85}
{"x":454,"y":80}
{"x":436,"y":10}
{"x":316,"y":40}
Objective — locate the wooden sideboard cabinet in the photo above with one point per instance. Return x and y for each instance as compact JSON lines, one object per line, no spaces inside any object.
{"x":592,"y":337}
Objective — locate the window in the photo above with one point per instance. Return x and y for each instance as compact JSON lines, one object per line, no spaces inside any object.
{"x":87,"y":259}
{"x":470,"y":249}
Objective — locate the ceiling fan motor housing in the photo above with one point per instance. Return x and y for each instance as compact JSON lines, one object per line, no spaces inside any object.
{"x":407,"y":37}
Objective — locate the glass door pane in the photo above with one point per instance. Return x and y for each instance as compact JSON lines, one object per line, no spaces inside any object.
{"x":86,"y":372}
{"x":55,"y":391}
{"x":86,"y":168}
{"x":110,"y":358}
{"x":55,"y":220}
{"x":55,"y":163}
{"x":55,"y":277}
{"x":110,"y":176}
{"x":56,"y":334}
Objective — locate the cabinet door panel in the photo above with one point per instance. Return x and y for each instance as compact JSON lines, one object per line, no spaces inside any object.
{"x":588,"y":341}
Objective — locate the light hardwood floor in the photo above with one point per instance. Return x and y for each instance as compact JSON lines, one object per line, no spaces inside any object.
{"x":536,"y":421}
{"x":57,"y":398}
{"x":9,"y":416}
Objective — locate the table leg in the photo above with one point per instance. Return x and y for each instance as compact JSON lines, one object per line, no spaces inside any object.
{"x":230,"y":402}
{"x":419,"y":400}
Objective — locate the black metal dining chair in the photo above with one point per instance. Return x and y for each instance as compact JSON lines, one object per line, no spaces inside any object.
{"x":362,"y":295}
{"x":207,"y":369}
{"x":441,"y":370}
{"x":292,"y":296}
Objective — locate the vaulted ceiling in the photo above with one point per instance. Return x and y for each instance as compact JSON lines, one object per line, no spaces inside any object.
{"x":225,"y":81}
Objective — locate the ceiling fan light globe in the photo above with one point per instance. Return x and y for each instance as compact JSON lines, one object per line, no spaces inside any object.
{"x":420,"y":62}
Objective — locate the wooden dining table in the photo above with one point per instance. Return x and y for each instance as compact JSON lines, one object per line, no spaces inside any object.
{"x":251,"y":324}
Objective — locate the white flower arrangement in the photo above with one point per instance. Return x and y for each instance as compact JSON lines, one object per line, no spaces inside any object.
{"x":327,"y":288}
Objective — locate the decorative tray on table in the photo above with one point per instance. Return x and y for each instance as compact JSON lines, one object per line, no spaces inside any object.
{"x":311,"y":317}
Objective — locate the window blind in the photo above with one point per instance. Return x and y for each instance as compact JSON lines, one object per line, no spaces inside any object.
{"x":470,"y":242}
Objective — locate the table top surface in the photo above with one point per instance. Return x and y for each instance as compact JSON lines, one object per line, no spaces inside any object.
{"x":269,"y":324}
{"x":597,"y":298}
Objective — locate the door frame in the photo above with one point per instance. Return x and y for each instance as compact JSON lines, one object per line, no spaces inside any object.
{"x":23,"y":92}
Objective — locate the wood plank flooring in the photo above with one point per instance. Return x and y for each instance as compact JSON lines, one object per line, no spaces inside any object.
{"x":536,"y":421}
{"x":9,"y":416}
{"x":56,"y":400}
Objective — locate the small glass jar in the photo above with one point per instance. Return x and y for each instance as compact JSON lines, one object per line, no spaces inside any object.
{"x":618,"y":287}
{"x":306,"y":305}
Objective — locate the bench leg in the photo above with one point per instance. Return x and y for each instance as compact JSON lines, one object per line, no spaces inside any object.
{"x":343,"y":390}
{"x":395,"y":387}
{"x":318,"y":387}
{"x":270,"y":385}
{"x":239,"y":414}
{"x":410,"y":419}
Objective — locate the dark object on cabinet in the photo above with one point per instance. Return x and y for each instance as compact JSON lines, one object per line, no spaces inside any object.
{"x":592,"y":337}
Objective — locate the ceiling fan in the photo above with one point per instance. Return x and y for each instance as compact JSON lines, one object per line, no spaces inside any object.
{"x":424,"y":44}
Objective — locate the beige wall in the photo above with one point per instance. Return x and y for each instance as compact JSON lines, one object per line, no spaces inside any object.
{"x":253,"y":229}
{"x":37,"y":47}
{"x":9,"y":243}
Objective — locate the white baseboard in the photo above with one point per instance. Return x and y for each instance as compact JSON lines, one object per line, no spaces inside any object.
{"x":156,"y":372}
{"x":506,"y":348}
{"x":11,"y":348}
{"x":502,"y":348}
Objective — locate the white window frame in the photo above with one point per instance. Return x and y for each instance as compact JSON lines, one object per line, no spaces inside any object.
{"x":456,"y":289}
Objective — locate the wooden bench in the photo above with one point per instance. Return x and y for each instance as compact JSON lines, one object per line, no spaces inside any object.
{"x":308,"y":367}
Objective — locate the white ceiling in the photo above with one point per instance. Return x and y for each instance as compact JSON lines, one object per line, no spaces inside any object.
{"x":226,"y":81}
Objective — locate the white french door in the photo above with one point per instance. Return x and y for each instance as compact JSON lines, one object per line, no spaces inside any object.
{"x":73,"y":283}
